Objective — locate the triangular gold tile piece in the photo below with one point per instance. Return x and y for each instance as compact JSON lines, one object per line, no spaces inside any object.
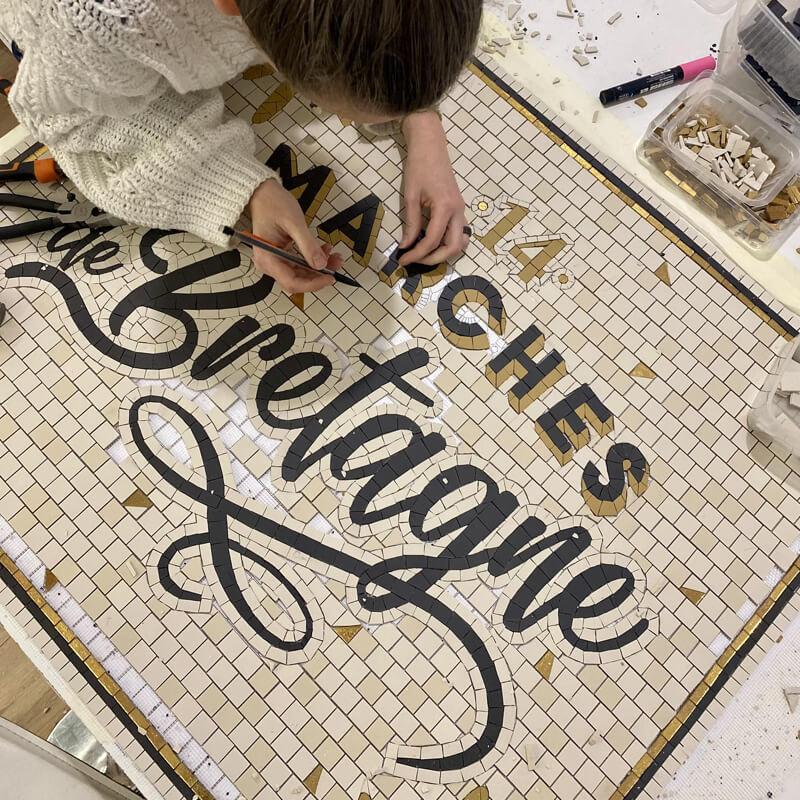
{"x":792,"y":695}
{"x":643,"y":371}
{"x":364,"y":796}
{"x":312,"y":781}
{"x":299,"y":300}
{"x":138,"y":500}
{"x":347,"y":632}
{"x":693,"y":594}
{"x":662,"y":273}
{"x":479,"y":793}
{"x":50,"y":580}
{"x":345,"y":122}
{"x":258,"y":71}
{"x":544,"y":666}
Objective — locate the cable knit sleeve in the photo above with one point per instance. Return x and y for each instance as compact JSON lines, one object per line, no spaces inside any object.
{"x":141,"y":150}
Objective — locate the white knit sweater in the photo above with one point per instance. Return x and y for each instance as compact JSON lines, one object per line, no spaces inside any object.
{"x":126,"y":95}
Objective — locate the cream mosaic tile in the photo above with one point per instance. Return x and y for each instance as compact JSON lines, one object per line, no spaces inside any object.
{"x":469,"y":534}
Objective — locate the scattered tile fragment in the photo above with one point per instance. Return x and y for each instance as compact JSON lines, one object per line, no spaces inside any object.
{"x":662,"y":273}
{"x":792,"y":695}
{"x":50,"y":580}
{"x":138,"y":500}
{"x":347,"y":632}
{"x":614,"y":17}
{"x":312,"y":781}
{"x":642,"y":371}
{"x":596,"y":115}
{"x":641,"y":102}
{"x":694,"y":595}
{"x":299,"y":301}
{"x":564,"y":14}
{"x":513,"y":9}
{"x":544,"y":666}
{"x":581,"y":59}
{"x":533,"y":752}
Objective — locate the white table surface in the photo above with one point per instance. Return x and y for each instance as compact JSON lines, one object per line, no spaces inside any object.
{"x":653,"y":35}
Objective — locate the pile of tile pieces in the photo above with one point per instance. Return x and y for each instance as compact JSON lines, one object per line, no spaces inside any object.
{"x":727,"y":152}
{"x":500,"y":44}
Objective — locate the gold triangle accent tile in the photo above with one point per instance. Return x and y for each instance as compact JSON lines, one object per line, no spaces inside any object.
{"x":364,"y":796}
{"x":479,"y":793}
{"x":50,"y":580}
{"x":662,"y":273}
{"x":258,"y":71}
{"x":544,"y":666}
{"x":693,"y":594}
{"x":138,"y":500}
{"x":643,"y":371}
{"x":347,"y":632}
{"x":273,"y":104}
{"x":299,"y":300}
{"x":312,"y":781}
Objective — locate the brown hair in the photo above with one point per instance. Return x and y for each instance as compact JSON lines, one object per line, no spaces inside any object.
{"x":390,"y":56}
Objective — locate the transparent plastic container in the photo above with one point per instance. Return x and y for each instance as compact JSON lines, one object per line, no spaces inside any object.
{"x":717,"y":6}
{"x":773,"y":415}
{"x":770,"y":41}
{"x":707,"y":97}
{"x":742,"y":85}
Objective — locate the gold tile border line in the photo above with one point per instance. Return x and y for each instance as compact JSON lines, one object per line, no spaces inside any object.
{"x":709,"y":683}
{"x":109,"y":684}
{"x":642,"y":212}
{"x":713,"y":677}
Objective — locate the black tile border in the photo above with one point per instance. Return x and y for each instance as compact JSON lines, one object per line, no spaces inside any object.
{"x":50,"y":629}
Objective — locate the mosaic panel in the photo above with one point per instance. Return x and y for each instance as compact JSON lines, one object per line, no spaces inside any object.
{"x":494,"y":531}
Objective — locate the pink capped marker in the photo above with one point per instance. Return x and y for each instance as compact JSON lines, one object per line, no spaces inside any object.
{"x":659,"y":80}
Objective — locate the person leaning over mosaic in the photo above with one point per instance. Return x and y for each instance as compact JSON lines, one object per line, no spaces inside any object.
{"x":126,"y":94}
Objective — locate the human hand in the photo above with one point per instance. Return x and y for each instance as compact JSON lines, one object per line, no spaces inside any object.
{"x":278,"y":218}
{"x":430,"y":183}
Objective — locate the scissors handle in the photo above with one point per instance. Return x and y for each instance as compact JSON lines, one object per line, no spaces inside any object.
{"x":43,"y":170}
{"x":27,"y":228}
{"x":33,"y":203}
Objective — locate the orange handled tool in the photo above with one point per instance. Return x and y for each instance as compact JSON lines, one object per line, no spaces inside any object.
{"x":43,"y":170}
{"x":5,"y":85}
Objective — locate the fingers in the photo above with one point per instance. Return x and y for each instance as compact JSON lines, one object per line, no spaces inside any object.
{"x":435,"y":248}
{"x":305,"y":242}
{"x":455,"y":242}
{"x":291,"y":278}
{"x":413,"y":226}
{"x":335,"y":261}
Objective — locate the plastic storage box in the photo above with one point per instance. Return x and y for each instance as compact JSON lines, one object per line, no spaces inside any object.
{"x":757,"y":73}
{"x":717,"y":6}
{"x":773,"y":414}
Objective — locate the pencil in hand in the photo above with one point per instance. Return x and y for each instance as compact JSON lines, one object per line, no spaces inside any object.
{"x":250,"y":239}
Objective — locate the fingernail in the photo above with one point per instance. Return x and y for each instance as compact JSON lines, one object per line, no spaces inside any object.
{"x":320,"y":262}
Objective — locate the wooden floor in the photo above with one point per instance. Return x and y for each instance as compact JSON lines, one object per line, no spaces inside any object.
{"x":26,"y":698}
{"x":8,"y":69}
